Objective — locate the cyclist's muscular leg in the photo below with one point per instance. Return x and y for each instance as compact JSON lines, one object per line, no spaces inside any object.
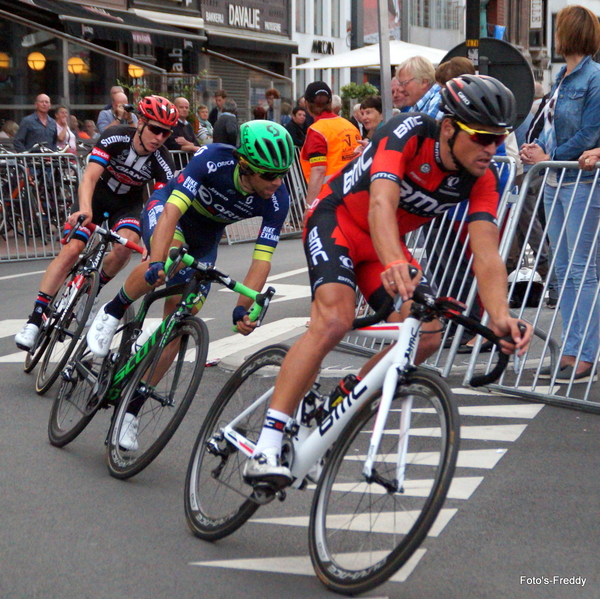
{"x":120,"y":255}
{"x":331,"y":316}
{"x":59,"y":267}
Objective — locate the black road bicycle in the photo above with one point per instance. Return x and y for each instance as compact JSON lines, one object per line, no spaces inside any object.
{"x":70,"y":308}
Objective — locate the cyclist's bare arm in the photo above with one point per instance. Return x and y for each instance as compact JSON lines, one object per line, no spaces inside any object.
{"x":492,"y":285}
{"x":383,"y":204}
{"x":255,"y":279}
{"x":90,"y":178}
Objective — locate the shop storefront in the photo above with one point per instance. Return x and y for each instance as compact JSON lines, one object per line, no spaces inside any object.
{"x":255,"y":33}
{"x":75,"y":53}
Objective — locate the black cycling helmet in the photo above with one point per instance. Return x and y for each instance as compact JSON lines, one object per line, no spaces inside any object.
{"x":479,"y":99}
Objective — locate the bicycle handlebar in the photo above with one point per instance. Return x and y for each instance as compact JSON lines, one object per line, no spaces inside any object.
{"x":451,"y":309}
{"x":261,"y":300}
{"x":115,"y":237}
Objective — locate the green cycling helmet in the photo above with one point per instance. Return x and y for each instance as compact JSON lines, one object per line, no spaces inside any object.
{"x":266,"y":146}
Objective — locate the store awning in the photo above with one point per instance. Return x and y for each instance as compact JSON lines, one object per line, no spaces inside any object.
{"x":89,"y":22}
{"x":369,"y":56}
{"x":219,"y":38}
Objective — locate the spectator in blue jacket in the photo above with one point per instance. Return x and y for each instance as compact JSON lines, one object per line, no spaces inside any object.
{"x":38,"y":127}
{"x":572,"y":126}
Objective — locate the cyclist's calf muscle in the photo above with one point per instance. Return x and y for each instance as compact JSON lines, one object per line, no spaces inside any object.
{"x":59,"y":268}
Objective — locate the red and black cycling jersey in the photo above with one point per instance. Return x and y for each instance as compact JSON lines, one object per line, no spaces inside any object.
{"x":126,"y":172}
{"x":406,"y":150}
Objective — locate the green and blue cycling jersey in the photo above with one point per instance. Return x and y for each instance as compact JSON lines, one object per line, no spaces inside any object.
{"x":210,"y":198}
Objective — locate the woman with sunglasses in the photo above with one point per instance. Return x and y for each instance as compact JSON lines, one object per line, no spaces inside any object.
{"x":124,"y":159}
{"x":414,"y":169}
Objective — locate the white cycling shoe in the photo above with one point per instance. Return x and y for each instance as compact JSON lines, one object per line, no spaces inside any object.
{"x":27,"y":336}
{"x":101,"y":333}
{"x":266,"y":467}
{"x":129,"y":433}
{"x":93,"y":312}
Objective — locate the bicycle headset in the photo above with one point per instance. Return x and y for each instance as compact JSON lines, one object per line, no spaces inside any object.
{"x":264,"y":147}
{"x":479,"y":100}
{"x":159,"y":109}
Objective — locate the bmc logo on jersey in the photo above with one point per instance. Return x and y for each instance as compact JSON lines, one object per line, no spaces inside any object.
{"x":407,"y":124}
{"x":359,"y":166}
{"x":416,"y":202}
{"x":315,"y":246}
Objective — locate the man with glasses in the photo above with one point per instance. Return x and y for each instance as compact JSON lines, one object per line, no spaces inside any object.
{"x":123,"y":161}
{"x":416,"y":80}
{"x":413,"y":170}
{"x":220,"y":185}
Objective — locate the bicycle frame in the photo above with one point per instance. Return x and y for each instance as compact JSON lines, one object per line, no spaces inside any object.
{"x":310,"y":448}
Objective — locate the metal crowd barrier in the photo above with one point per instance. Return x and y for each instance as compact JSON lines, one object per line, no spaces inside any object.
{"x":247,"y":230}
{"x":37,"y":191}
{"x":547,"y":348}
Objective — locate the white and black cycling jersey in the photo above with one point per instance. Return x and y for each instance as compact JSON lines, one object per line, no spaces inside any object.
{"x":126,"y":172}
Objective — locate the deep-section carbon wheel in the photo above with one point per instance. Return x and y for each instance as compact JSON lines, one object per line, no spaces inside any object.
{"x":157,"y":398}
{"x":76,"y":403}
{"x":66,"y":332}
{"x":362,"y":531}
{"x":217,"y":500}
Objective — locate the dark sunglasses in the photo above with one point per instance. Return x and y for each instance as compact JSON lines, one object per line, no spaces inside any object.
{"x":158,"y":130}
{"x":272,"y":176}
{"x":483,"y":138}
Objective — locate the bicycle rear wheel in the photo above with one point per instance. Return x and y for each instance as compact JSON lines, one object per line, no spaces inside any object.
{"x":217,"y":500}
{"x":360,"y":532}
{"x":76,"y":402}
{"x":158,"y":401}
{"x":66,"y":332}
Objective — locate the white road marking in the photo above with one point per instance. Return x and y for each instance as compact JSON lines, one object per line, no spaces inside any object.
{"x":461,"y":487}
{"x":499,"y":432}
{"x":236,"y":343}
{"x":467,"y":458}
{"x":302,"y":565}
{"x":24,"y":274}
{"x":528,"y":411}
{"x":393,"y":522}
{"x":285,"y":275}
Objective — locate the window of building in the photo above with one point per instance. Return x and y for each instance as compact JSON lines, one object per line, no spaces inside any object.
{"x":300,"y":77}
{"x":335,"y":18}
{"x":318,"y":17}
{"x":300,"y":16}
{"x":436,"y":14}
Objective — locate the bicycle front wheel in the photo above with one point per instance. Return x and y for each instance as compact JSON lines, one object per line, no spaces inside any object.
{"x":76,"y":402}
{"x":361,"y":531}
{"x":66,"y":333}
{"x":158,"y":397}
{"x":217,"y":500}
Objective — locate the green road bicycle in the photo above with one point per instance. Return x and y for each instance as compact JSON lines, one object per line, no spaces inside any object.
{"x":156,"y":383}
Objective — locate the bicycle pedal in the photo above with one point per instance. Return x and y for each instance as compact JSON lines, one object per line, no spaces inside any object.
{"x":263,"y":493}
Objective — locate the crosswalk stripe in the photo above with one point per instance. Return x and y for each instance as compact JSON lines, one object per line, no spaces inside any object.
{"x":527,"y":411}
{"x":236,"y":343}
{"x":461,"y":487}
{"x":302,"y":565}
{"x":393,"y":522}
{"x":499,"y":432}
{"x":467,"y":458}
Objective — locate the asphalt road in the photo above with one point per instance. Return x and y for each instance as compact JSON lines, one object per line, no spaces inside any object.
{"x":526,"y":507}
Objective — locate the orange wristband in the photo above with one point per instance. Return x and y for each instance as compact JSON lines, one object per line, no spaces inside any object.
{"x":395,"y":262}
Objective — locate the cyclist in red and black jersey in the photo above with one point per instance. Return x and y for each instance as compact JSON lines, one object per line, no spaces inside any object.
{"x":413,"y":170}
{"x":123,"y":160}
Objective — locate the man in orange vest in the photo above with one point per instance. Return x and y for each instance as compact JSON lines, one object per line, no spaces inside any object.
{"x":330,"y":140}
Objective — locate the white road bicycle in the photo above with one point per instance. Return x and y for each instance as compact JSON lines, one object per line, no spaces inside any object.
{"x":381,"y":461}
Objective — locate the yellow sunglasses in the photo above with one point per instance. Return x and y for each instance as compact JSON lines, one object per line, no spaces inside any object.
{"x":483,"y":138}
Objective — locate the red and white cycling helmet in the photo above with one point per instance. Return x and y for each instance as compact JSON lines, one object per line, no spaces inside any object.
{"x":159,"y":109}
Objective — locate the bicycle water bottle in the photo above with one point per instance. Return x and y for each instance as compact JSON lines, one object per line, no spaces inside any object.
{"x":342,"y":391}
{"x":144,"y":336}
